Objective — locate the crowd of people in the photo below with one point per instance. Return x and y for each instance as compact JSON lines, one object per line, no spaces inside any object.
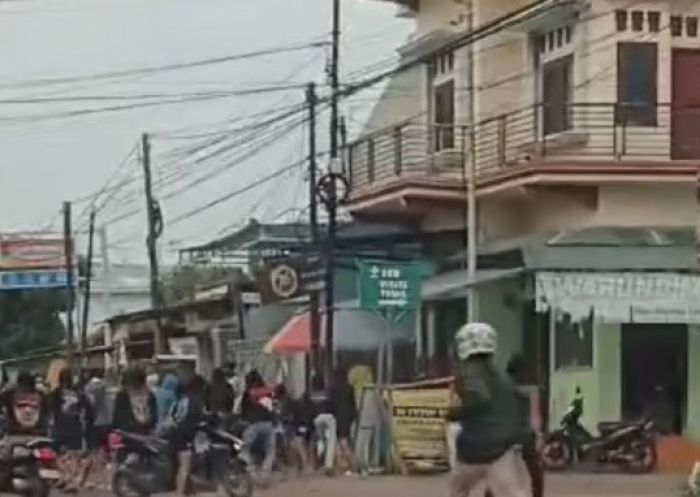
{"x":280,"y":430}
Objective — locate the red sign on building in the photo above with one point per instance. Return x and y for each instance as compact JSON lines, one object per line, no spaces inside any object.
{"x":31,"y":253}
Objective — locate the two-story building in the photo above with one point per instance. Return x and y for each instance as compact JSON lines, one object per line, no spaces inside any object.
{"x":578,"y":122}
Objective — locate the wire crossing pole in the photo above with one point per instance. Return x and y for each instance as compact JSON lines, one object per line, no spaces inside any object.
{"x":314,"y":297}
{"x":332,"y":195}
{"x":88,"y":287}
{"x":152,"y":238}
{"x":70,"y":295}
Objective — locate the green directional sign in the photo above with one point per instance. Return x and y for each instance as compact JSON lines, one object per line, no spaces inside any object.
{"x":388,"y":285}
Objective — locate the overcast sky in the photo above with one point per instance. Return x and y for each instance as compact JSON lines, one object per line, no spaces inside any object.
{"x":46,"y":160}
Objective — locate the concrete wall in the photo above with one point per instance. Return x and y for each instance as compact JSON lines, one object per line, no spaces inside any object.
{"x":693,"y":416}
{"x":499,"y":305}
{"x":601,"y":385}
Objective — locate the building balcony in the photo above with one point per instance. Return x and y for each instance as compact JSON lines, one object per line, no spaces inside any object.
{"x":399,"y":167}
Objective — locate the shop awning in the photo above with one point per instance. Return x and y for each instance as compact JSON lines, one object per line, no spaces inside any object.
{"x":455,"y":284}
{"x":355,"y":329}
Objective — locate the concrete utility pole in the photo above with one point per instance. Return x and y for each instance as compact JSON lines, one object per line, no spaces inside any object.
{"x":331,"y":193}
{"x":70,"y":295}
{"x":88,"y":286}
{"x":154,"y":230}
{"x":314,"y":297}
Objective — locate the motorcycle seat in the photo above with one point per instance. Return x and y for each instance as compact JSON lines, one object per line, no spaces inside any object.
{"x":606,"y":427}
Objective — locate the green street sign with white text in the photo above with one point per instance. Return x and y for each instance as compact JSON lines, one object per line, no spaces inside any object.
{"x":389,"y":285}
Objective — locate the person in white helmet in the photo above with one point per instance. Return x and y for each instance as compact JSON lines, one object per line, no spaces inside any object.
{"x":491,"y":420}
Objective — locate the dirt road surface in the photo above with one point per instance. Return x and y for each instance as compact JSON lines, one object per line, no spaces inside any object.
{"x":428,"y":486}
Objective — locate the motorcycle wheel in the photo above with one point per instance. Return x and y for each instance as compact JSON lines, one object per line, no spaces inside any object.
{"x":237,"y":482}
{"x":121,"y":486}
{"x":38,"y":488}
{"x":643,"y":456}
{"x":556,"y":454}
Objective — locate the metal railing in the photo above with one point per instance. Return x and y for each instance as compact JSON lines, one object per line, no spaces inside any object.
{"x":577,"y":131}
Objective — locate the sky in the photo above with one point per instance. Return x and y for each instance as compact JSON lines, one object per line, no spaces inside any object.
{"x":48,"y":156}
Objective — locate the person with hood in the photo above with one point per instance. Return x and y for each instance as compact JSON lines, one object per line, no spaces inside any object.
{"x":491,"y":420}
{"x":25,"y":406}
{"x":166,"y":395}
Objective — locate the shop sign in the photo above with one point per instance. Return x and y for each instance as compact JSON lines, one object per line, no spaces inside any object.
{"x":622,"y":297}
{"x":31,"y":253}
{"x":26,"y":280}
{"x":419,"y":424}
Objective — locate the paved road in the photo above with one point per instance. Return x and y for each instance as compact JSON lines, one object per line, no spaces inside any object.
{"x":429,"y":486}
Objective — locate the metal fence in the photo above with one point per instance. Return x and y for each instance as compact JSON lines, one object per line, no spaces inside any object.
{"x":582,"y":131}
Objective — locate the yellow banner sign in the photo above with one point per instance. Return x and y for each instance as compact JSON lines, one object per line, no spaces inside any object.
{"x":419,"y":423}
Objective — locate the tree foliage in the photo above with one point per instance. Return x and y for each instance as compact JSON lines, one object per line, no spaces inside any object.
{"x":29,"y":320}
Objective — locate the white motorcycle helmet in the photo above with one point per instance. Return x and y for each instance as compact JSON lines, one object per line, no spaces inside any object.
{"x":475,"y":338}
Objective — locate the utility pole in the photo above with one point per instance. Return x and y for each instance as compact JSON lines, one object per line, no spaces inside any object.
{"x":472,"y":219}
{"x":70,"y":295}
{"x":314,"y":297}
{"x":88,"y":286}
{"x":152,"y":213}
{"x":107,"y":283}
{"x":332,"y":194}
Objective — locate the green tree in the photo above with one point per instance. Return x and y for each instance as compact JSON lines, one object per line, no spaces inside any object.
{"x":29,"y":320}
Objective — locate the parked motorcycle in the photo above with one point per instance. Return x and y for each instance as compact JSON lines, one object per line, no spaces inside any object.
{"x":147,"y":465}
{"x":630,"y":447}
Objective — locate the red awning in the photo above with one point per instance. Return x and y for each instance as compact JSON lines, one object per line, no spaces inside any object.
{"x":293,"y":338}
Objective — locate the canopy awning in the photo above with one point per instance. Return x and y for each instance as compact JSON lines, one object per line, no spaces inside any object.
{"x":455,"y":284}
{"x":355,"y":329}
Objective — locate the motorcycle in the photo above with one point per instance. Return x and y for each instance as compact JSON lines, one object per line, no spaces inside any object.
{"x":629,"y":446}
{"x":29,"y":466}
{"x":147,"y":464}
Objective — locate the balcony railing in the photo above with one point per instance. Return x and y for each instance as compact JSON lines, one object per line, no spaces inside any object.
{"x":578,"y":131}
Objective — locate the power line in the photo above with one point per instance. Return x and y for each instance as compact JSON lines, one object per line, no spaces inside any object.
{"x":164,"y":68}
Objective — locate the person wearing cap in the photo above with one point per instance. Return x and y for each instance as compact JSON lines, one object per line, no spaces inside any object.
{"x":490,"y":417}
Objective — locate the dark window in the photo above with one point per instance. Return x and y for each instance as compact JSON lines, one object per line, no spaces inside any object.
{"x":541,"y":43}
{"x":444,"y":115}
{"x":560,"y":37}
{"x":654,"y":20}
{"x":567,"y":34}
{"x":556,"y":94}
{"x":637,"y":20}
{"x":691,"y":26}
{"x":676,"y":24}
{"x":573,"y":342}
{"x":636,"y":83}
{"x":621,"y":20}
{"x":550,"y":40}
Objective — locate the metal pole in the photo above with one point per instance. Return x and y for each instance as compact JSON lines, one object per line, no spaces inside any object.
{"x":70,"y":295}
{"x":332,"y":194}
{"x":472,"y":304}
{"x":88,"y":285}
{"x":314,"y":296}
{"x":152,"y":238}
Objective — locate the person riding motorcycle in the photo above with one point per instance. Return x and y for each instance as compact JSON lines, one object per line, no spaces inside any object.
{"x":490,"y":415}
{"x":25,"y":407}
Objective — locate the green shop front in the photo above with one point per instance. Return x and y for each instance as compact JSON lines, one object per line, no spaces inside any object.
{"x":629,"y":340}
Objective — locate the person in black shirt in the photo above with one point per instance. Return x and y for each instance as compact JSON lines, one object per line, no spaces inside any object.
{"x":220,"y":395}
{"x":341,"y":397}
{"x":135,"y":407}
